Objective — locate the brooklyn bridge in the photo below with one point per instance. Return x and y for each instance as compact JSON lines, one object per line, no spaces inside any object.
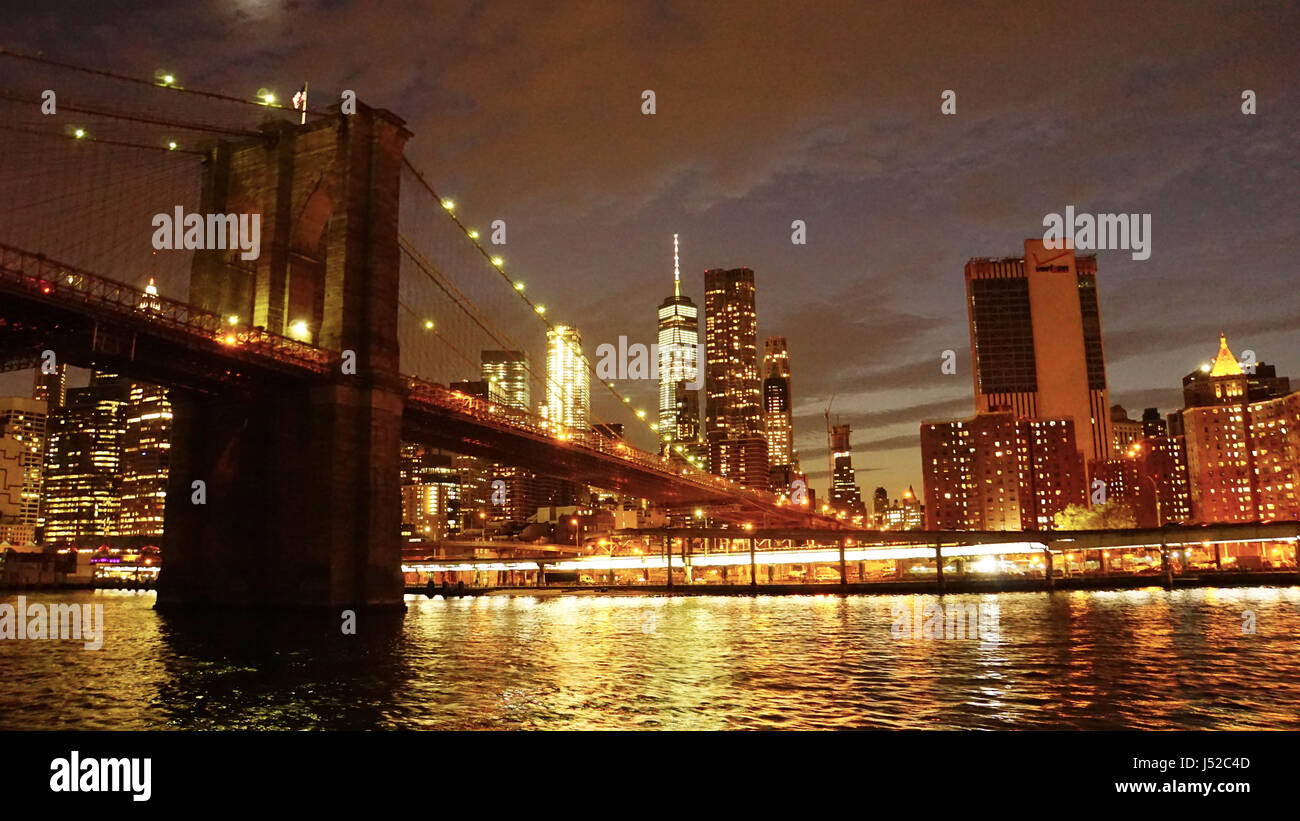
{"x":294,"y":376}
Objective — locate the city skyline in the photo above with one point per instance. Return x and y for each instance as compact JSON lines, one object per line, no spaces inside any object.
{"x":365,"y":395}
{"x":896,"y":196}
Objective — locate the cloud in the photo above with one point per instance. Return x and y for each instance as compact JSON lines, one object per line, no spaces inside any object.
{"x":1203,"y":336}
{"x":824,"y":111}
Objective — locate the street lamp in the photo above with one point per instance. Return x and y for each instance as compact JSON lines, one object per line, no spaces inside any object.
{"x":1155,"y":489}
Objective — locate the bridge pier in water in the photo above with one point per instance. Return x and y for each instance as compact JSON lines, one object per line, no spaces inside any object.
{"x":302,"y":504}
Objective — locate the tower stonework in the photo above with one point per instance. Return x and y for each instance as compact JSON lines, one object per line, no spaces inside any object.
{"x":302,"y":504}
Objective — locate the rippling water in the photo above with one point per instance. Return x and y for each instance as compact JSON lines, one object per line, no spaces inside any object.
{"x":1093,"y":660}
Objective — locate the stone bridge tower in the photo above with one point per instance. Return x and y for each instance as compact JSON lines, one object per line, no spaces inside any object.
{"x":303,"y":505}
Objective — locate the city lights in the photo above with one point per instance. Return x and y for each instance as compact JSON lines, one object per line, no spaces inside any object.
{"x":496,"y":546}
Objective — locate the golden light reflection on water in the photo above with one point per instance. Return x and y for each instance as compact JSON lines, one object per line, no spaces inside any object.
{"x":1133,"y":659}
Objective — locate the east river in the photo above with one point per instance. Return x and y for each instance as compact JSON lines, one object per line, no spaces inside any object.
{"x":1087,"y":660}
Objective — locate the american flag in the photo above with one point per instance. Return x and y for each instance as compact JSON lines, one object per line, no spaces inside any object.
{"x":300,"y":101}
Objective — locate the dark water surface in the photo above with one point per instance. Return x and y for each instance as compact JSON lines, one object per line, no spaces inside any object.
{"x":1091,"y":660}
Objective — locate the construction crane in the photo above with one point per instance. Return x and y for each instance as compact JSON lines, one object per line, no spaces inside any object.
{"x":830,"y":453}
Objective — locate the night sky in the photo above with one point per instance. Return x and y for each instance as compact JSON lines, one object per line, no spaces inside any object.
{"x":824,"y":112}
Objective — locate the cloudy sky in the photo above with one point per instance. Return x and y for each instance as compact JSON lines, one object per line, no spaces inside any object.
{"x":825,"y":112}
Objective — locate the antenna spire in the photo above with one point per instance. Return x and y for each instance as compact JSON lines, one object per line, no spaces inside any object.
{"x":677,"y":271}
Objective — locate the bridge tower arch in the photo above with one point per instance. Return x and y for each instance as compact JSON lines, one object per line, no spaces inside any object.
{"x":301,"y":504}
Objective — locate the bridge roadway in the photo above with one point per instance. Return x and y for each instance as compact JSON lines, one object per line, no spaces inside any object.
{"x":89,"y":319}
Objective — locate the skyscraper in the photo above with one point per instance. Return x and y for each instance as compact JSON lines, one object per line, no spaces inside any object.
{"x":1204,"y":385}
{"x":734,"y":404}
{"x":1243,"y":451}
{"x":508,"y":370}
{"x":145,"y":446}
{"x":146,"y":443}
{"x":1153,"y":424}
{"x":845,"y":494}
{"x":1036,"y":341}
{"x":22,"y":424}
{"x":430,"y":494}
{"x":879,"y":503}
{"x":778,"y":416}
{"x":506,"y":380}
{"x":568,"y":382}
{"x":51,"y":388}
{"x":679,"y":337}
{"x":1123,"y":430}
{"x":83,"y":461}
{"x":1218,"y":442}
{"x":688,"y":431}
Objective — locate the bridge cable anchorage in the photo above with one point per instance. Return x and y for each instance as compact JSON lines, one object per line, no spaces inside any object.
{"x":153,"y":83}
